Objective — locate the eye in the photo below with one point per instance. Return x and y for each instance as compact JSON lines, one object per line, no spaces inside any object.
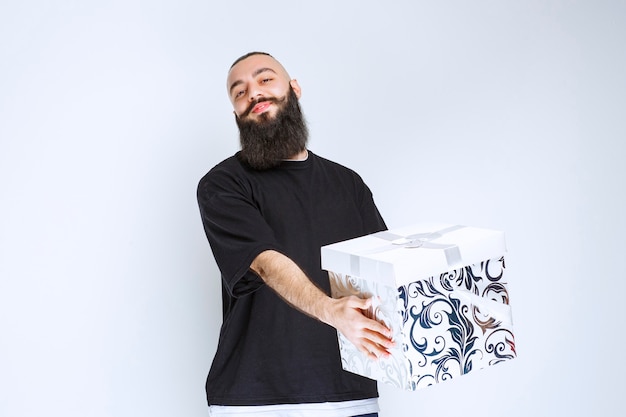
{"x":266,"y":80}
{"x":240,"y":93}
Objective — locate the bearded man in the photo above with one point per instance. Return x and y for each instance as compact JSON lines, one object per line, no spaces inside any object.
{"x":266,"y":212}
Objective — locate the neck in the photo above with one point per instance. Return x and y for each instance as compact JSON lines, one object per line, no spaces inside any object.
{"x":300,"y":156}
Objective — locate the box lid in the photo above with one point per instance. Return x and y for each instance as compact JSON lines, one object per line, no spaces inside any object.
{"x":403,"y":255}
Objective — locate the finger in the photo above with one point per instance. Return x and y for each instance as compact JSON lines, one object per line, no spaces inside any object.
{"x":374,"y":350}
{"x":377,"y":328}
{"x":381,"y":339}
{"x":360,"y":303}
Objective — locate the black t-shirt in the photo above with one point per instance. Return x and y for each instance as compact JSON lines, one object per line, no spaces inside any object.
{"x":268,"y":352}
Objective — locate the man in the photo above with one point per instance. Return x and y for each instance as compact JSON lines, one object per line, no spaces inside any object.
{"x":266,"y":211}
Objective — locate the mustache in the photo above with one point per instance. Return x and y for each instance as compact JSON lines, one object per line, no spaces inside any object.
{"x":260,"y":100}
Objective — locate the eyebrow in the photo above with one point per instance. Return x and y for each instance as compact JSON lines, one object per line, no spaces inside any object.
{"x":254,"y":74}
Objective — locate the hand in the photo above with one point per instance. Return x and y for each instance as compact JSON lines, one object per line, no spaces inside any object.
{"x":369,"y":336}
{"x":345,"y":314}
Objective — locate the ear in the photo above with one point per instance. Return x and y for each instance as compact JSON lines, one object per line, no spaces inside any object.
{"x":296,"y":87}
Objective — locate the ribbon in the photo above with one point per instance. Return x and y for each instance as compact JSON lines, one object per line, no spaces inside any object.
{"x":494,"y":309}
{"x":424,"y":240}
{"x":418,"y":240}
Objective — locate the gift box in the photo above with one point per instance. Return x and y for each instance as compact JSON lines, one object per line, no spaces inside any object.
{"x":442,"y":291}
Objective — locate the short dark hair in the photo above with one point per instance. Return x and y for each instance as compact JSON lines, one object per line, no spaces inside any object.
{"x":249,"y":54}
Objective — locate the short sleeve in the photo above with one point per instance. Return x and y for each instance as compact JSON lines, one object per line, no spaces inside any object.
{"x":372,"y":220}
{"x":234,"y":227}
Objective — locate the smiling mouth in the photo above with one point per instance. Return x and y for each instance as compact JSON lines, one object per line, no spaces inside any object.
{"x":261,"y":107}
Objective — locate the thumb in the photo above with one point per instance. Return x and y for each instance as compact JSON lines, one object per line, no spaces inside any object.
{"x":362,"y":303}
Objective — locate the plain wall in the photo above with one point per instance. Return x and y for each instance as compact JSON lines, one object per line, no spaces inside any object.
{"x":500,"y":114}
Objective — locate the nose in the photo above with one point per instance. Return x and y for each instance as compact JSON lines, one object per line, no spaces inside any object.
{"x":254,"y":93}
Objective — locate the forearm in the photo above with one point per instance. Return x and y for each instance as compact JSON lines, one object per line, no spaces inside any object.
{"x":286,"y":278}
{"x":345,"y":314}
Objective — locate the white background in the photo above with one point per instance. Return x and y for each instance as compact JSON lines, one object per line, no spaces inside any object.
{"x":501,"y":114}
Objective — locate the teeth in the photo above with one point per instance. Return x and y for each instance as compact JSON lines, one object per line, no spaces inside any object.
{"x":260,"y":106}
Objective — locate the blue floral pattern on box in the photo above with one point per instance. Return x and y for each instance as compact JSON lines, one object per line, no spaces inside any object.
{"x":445,"y":326}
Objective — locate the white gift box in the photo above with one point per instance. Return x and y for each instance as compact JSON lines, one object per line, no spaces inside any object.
{"x":442,"y":291}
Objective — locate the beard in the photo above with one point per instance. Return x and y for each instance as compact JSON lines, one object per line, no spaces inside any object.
{"x":267,"y":142}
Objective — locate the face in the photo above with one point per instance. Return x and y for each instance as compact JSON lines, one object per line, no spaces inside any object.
{"x":256,"y":87}
{"x":265,"y":143}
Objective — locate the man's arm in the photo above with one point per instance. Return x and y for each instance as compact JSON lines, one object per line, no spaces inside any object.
{"x":345,"y":314}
